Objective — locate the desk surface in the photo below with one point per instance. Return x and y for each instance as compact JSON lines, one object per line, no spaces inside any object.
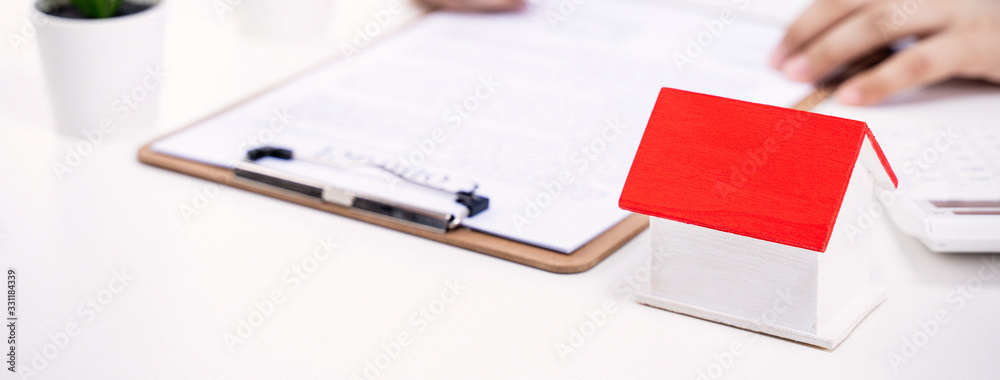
{"x":114,"y":282}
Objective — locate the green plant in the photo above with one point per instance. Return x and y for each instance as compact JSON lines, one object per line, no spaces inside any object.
{"x":97,"y":8}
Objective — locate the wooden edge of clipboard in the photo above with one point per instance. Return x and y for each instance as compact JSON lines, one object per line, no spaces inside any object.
{"x":582,"y":259}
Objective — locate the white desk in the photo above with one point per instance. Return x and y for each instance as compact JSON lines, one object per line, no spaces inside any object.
{"x":191,"y":282}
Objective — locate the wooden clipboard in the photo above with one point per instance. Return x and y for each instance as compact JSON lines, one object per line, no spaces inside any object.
{"x":581,"y":260}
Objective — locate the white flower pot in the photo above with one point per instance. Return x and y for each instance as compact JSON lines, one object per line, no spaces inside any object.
{"x":104,"y":75}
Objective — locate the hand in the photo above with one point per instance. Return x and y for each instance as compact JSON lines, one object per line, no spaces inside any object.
{"x":474,"y":5}
{"x":958,"y":38}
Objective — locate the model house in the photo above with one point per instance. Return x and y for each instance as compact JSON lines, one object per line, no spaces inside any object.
{"x":758,"y":215}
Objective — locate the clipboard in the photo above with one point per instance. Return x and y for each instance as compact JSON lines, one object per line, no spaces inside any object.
{"x":580,"y":260}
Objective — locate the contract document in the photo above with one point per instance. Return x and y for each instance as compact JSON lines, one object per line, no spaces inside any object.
{"x":542,"y":108}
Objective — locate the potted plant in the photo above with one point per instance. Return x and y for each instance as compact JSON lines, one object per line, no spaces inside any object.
{"x":103,"y":63}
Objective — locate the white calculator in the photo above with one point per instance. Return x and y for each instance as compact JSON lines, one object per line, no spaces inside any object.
{"x":949,"y":185}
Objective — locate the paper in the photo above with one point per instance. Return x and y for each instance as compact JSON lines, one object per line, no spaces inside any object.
{"x":543,"y":108}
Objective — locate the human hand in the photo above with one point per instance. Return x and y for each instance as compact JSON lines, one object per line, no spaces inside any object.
{"x":474,"y":5}
{"x":959,"y":38}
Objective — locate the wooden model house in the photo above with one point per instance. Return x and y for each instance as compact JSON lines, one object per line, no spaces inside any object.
{"x":758,"y":215}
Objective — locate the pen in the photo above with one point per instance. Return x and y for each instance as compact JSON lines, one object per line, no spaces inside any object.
{"x":413,"y":215}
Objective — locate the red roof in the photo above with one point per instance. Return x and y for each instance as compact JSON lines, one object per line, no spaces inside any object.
{"x":765,"y":172}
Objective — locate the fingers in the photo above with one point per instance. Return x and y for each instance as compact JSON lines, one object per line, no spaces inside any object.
{"x":983,"y":37}
{"x":929,"y":61}
{"x":475,"y":5}
{"x":817,"y":18}
{"x":860,"y":33}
